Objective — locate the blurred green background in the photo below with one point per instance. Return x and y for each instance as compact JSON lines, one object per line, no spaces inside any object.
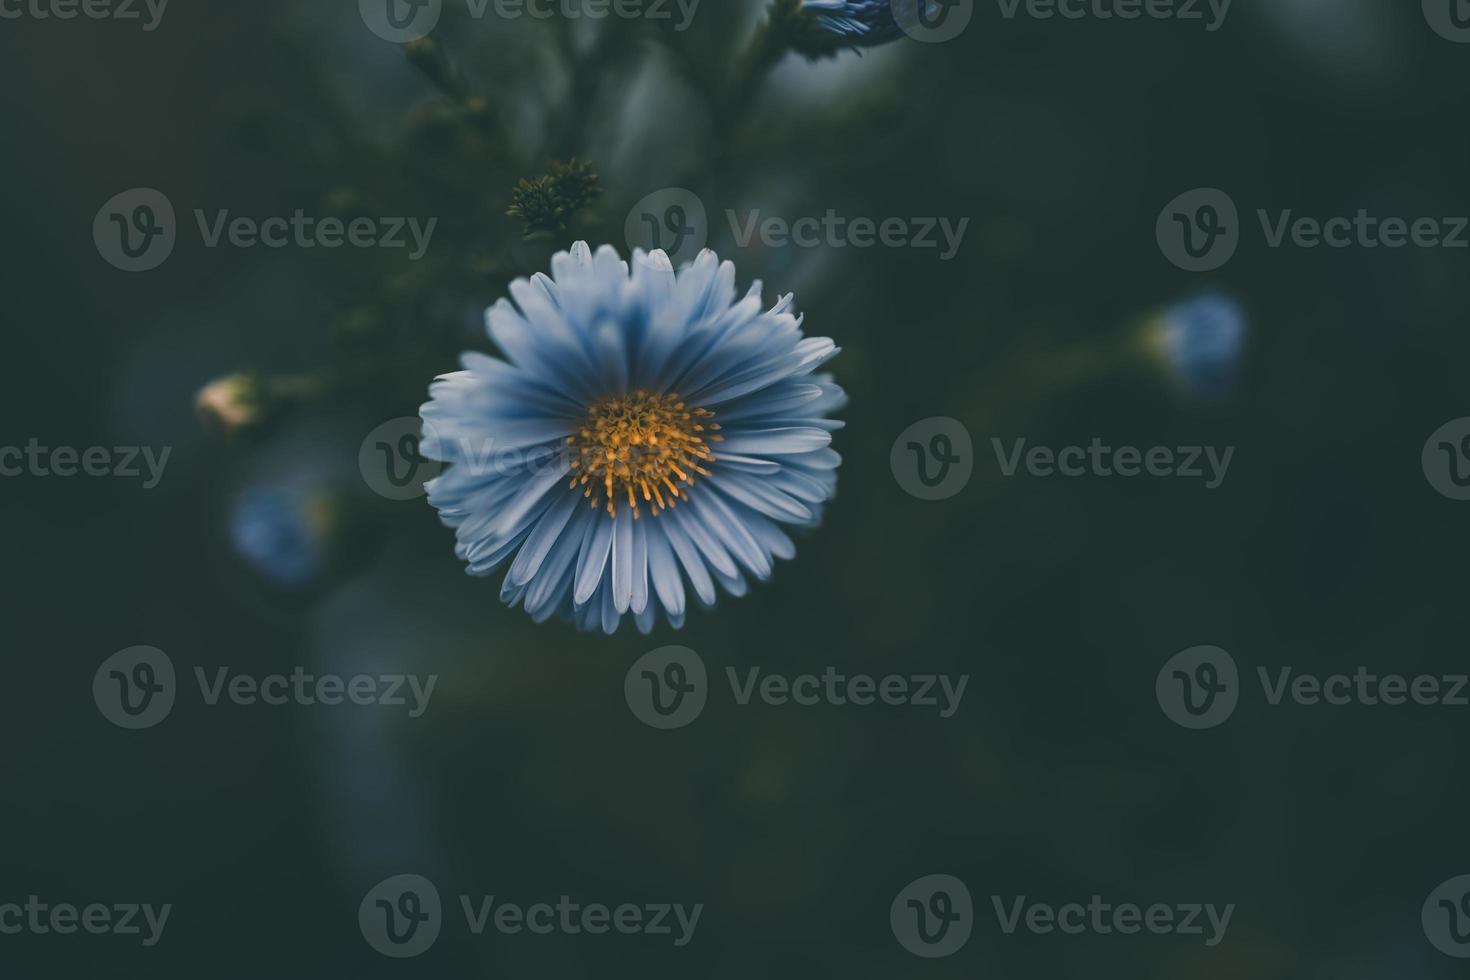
{"x":529,"y":778}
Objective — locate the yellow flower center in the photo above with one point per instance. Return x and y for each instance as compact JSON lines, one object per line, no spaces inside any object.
{"x":640,"y":447}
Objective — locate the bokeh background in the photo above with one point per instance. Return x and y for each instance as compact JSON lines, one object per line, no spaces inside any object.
{"x":529,"y":778}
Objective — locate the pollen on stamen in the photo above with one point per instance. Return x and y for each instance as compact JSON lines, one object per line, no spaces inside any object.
{"x":630,"y":444}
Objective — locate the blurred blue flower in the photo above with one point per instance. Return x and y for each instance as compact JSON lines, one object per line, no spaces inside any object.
{"x":1201,"y":340}
{"x":857,"y":22}
{"x":647,"y":432}
{"x":281,"y":534}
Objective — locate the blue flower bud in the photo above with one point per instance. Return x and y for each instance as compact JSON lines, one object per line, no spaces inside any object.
{"x":1200,"y":341}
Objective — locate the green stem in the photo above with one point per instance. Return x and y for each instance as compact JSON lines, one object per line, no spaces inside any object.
{"x":770,"y":44}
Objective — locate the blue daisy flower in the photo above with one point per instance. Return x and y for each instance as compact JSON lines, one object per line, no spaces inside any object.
{"x":647,"y":437}
{"x":863,"y":23}
{"x":1201,"y":341}
{"x":854,"y":21}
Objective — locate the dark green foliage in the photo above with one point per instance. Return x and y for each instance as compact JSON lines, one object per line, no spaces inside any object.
{"x":547,"y":204}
